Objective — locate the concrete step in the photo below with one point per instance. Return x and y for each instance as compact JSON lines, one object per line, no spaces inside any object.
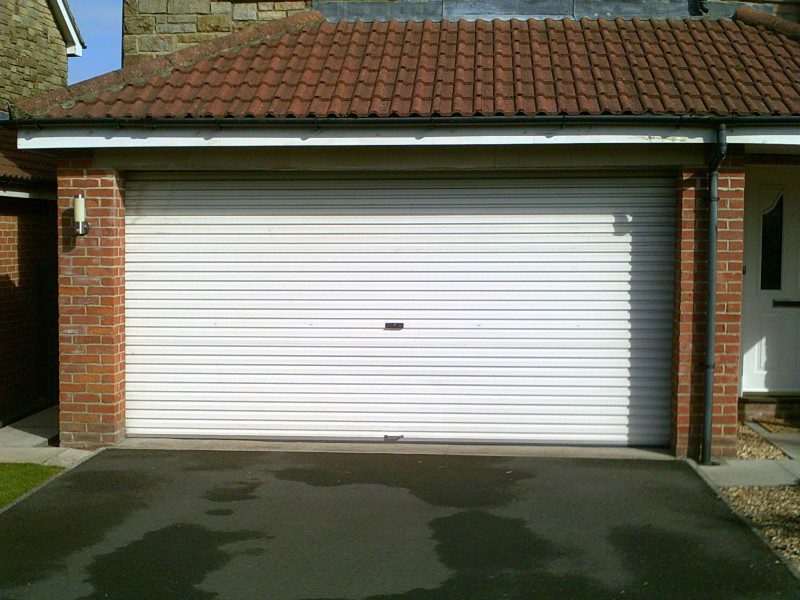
{"x":54,"y":457}
{"x":32,"y":432}
{"x":753,"y":473}
{"x":788,"y":442}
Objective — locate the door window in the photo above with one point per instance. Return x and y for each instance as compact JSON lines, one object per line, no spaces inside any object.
{"x":772,"y":247}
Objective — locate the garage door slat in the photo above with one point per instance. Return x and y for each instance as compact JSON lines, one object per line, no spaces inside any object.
{"x":535,"y":310}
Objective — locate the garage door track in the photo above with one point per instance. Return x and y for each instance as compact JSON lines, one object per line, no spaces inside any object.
{"x":142,"y":523}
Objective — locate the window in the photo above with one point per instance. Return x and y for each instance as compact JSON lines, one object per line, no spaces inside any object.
{"x":772,"y":246}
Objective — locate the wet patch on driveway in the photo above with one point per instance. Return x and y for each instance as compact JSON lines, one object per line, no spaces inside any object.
{"x":461,"y":481}
{"x":73,"y":513}
{"x":167,"y":563}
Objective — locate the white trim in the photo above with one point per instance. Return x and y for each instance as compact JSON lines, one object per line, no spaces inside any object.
{"x":194,"y":137}
{"x":761,"y":136}
{"x":51,"y":138}
{"x":26,"y":195}
{"x":68,"y":27}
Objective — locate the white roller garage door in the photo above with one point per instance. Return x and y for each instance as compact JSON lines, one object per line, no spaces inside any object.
{"x":532,"y":310}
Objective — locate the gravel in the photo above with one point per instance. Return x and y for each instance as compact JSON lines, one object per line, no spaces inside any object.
{"x":750,"y":445}
{"x":776,"y":511}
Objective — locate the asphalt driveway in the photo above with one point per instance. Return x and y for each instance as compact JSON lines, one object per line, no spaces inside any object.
{"x":159,"y":524}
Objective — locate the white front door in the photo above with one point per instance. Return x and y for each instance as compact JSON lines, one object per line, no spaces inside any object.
{"x":771,"y":311}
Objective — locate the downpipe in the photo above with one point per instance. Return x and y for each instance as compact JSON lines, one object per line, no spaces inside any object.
{"x":711,"y":292}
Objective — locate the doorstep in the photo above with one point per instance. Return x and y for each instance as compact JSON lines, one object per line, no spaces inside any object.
{"x":763,"y":406}
{"x":37,"y":430}
{"x":28,"y":441}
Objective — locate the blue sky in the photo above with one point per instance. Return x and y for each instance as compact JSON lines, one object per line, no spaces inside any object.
{"x":100,"y":22}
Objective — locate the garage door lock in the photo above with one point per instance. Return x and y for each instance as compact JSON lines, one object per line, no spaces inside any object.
{"x":393,"y":326}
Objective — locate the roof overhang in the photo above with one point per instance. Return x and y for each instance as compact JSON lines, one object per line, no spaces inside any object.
{"x":410,"y":131}
{"x":68,"y":27}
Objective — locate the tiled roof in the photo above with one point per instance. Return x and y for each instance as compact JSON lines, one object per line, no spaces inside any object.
{"x":310,"y":68}
{"x":23,"y":166}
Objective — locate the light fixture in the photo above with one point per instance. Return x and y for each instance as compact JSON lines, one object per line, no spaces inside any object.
{"x":79,"y":215}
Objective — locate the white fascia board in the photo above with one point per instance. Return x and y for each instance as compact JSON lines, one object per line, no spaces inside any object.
{"x":68,"y":28}
{"x":759,"y":136}
{"x":26,"y":195}
{"x":298,"y":136}
{"x":88,"y":137}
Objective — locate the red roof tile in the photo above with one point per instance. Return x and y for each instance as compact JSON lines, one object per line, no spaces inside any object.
{"x":305,"y":67}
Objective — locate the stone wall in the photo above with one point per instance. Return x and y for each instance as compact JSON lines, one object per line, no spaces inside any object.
{"x":33,"y":55}
{"x":153,"y":27}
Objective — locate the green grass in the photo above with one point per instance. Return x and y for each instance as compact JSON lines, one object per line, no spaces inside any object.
{"x":16,"y":479}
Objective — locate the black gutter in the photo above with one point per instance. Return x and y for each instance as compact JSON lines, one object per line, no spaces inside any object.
{"x":711,"y":291}
{"x":317,"y":122}
{"x":717,"y":122}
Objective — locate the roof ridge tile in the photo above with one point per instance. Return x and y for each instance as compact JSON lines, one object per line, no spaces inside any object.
{"x":758,"y":18}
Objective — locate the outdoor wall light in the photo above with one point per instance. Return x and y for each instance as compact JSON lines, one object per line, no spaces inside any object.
{"x":79,"y":215}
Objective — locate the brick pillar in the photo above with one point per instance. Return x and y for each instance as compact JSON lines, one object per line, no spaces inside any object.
{"x":688,"y":367}
{"x":91,"y":307}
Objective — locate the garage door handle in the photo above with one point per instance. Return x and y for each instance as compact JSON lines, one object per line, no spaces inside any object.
{"x":786,"y":304}
{"x":392,"y":325}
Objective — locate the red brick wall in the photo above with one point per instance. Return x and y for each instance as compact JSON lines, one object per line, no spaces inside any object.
{"x":27,"y":307}
{"x":787,"y":409}
{"x":688,"y":367}
{"x":91,"y":288}
{"x":92,"y":328}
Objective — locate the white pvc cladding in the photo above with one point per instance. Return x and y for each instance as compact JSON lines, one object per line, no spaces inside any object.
{"x":535,"y":310}
{"x":50,"y":137}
